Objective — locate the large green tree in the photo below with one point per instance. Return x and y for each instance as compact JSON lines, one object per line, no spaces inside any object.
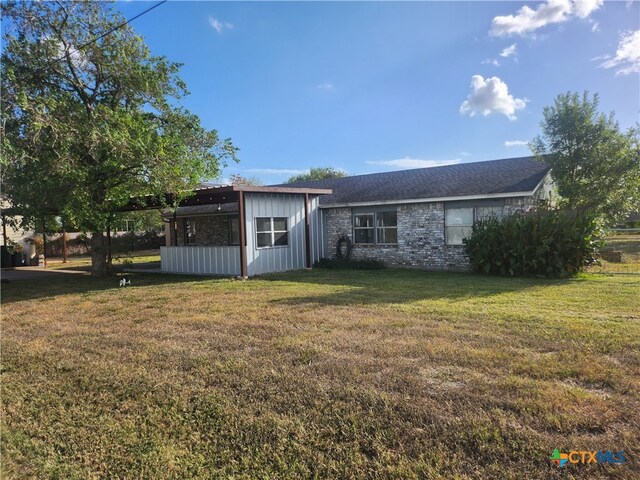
{"x":595,"y":165}
{"x":318,"y":173}
{"x":90,"y":118}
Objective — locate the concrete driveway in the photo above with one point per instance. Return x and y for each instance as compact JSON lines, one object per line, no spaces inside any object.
{"x":35,"y":273}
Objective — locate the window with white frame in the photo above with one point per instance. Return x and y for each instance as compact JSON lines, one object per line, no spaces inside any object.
{"x":379,"y":228}
{"x":458,"y":224}
{"x":189,"y":231}
{"x":272,"y":232}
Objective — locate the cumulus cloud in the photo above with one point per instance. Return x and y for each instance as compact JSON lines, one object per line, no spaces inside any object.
{"x":527,"y":19}
{"x":491,"y":61}
{"x":627,"y":57}
{"x":516,"y":143}
{"x":509,"y":51}
{"x":491,"y":96}
{"x":219,"y":26}
{"x":408,"y":162}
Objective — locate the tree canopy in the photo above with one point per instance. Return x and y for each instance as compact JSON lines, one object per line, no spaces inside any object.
{"x":596,"y":166}
{"x":318,"y":173}
{"x":90,"y":119}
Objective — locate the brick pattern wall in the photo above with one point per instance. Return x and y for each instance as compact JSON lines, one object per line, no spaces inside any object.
{"x":421,"y":237}
{"x":210,"y":230}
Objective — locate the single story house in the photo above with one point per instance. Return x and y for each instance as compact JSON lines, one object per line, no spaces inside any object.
{"x":415,"y":218}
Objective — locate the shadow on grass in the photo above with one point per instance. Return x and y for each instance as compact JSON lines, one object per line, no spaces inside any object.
{"x":400,"y":286}
{"x":41,"y":288}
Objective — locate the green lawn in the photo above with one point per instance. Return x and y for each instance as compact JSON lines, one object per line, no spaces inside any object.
{"x":330,"y":374}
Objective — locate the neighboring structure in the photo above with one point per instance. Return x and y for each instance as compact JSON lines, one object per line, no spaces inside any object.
{"x":414,"y":218}
{"x":419,"y":217}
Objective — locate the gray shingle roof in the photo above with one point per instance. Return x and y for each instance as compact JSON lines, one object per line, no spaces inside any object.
{"x":479,"y":178}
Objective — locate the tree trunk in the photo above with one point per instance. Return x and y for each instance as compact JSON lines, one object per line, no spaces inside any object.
{"x":99,"y":267}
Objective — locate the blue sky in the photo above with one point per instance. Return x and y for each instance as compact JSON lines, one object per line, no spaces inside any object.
{"x":377,"y":86}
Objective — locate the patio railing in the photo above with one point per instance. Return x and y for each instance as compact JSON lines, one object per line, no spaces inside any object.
{"x":201,"y":260}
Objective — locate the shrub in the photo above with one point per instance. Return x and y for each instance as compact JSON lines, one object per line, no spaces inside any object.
{"x":338,"y":263}
{"x":548,"y":242}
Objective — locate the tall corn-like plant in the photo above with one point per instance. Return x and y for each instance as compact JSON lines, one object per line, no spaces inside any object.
{"x":547,"y":242}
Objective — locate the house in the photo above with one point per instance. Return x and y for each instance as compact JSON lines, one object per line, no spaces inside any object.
{"x":419,"y":217}
{"x":415,"y":218}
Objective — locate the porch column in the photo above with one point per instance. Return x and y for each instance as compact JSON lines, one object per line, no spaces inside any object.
{"x":243,"y":235}
{"x":307,"y":238}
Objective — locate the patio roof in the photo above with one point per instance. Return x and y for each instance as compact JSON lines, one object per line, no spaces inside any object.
{"x":216,"y":194}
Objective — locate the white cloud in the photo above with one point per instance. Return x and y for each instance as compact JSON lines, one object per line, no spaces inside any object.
{"x":327,"y":86}
{"x":491,"y":61}
{"x":516,"y":143}
{"x":627,"y":57}
{"x":408,"y":162}
{"x":527,"y":20}
{"x":276,"y":171}
{"x":491,"y":96}
{"x":509,"y":51}
{"x":595,"y":27}
{"x":219,"y":26}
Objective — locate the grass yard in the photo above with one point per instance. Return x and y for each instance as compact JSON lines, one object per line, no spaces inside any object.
{"x":331,"y":374}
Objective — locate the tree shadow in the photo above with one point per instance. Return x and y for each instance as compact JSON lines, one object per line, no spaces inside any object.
{"x":61,"y":284}
{"x":395,"y":286}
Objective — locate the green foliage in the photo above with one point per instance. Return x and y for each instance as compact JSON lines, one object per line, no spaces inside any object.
{"x":237,"y":179}
{"x":318,"y":173}
{"x":88,"y":124}
{"x":341,"y":264}
{"x":596,"y":167}
{"x":548,"y":242}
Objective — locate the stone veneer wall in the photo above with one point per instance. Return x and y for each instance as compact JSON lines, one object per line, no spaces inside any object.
{"x":211,"y":230}
{"x":421,"y":242}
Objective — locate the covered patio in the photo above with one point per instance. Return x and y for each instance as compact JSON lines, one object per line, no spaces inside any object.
{"x":241,"y":230}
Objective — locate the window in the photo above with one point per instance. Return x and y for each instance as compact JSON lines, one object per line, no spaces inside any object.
{"x":189,"y":231}
{"x":234,"y":231}
{"x":272,"y":232}
{"x":458,"y":224}
{"x":363,"y":231}
{"x":375,"y":228}
{"x":483,"y":213}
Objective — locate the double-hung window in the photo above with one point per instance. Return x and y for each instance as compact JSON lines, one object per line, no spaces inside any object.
{"x":272,"y":232}
{"x":458,"y":224}
{"x":189,"y":231}
{"x":379,"y":228}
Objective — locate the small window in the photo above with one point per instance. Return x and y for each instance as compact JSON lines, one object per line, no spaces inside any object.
{"x":234,"y":230}
{"x":189,"y":231}
{"x":458,"y":224}
{"x":272,"y":232}
{"x":363,"y":228}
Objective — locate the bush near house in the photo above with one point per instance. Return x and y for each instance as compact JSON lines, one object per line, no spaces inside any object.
{"x":547,"y":242}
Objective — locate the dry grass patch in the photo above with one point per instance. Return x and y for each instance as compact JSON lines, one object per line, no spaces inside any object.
{"x":319,"y":374}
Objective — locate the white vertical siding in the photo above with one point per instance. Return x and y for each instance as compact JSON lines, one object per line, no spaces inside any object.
{"x":201,"y":260}
{"x":293,"y":256}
